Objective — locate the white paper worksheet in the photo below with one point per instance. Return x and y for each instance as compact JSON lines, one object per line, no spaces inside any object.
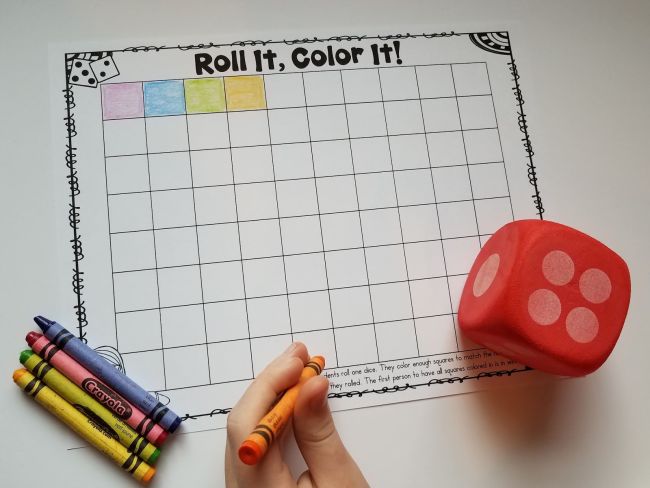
{"x":226,"y":199}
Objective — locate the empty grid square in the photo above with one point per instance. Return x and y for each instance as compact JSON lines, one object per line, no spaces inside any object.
{"x":218,"y":242}
{"x":346,"y":268}
{"x":332,"y":158}
{"x":366,"y":119}
{"x":129,"y":212}
{"x":341,"y":231}
{"x":297,"y":197}
{"x":436,"y":335}
{"x":179,"y":286}
{"x":301,"y":234}
{"x":456,"y":284}
{"x":222,"y":281}
{"x":211,"y":168}
{"x":398,"y":83}
{"x":127,"y":174}
{"x":385,"y":264}
{"x":146,"y":368}
{"x":183,"y":326}
{"x":288,"y":125}
{"x":321,"y":342}
{"x":376,"y":190}
{"x":245,"y":92}
{"x":483,"y":146}
{"x":409,"y":151}
{"x":292,"y":161}
{"x":391,"y":301}
{"x":122,"y":101}
{"x":268,"y":316}
{"x":124,"y":137}
{"x":305,"y":272}
{"x":371,"y":154}
{"x":186,"y":366}
{"x":440,"y":114}
{"x":471,"y":79}
{"x":492,"y":214}
{"x":136,"y":290}
{"x":446,"y":148}
{"x":173,"y":208}
{"x":356,"y":345}
{"x":381,"y":227}
{"x":477,"y":112}
{"x":323,"y":88}
{"x":164,"y":98}
{"x":351,"y":306}
{"x":419,"y":223}
{"x":265,"y":349}
{"x":215,"y":205}
{"x":226,"y":321}
{"x":284,"y":90}
{"x":310,"y":311}
{"x":252,"y":164}
{"x":396,"y":340}
{"x":138,"y":331}
{"x":327,"y":122}
{"x":424,"y":259}
{"x":260,"y":239}
{"x":256,"y":201}
{"x":176,"y":247}
{"x":430,"y":297}
{"x":457,"y":219}
{"x":208,"y":131}
{"x":264,"y":277}
{"x":337,"y":194}
{"x":361,"y":85}
{"x":489,"y":180}
{"x":414,"y":187}
{"x":170,"y":170}
{"x":460,"y":254}
{"x":452,"y":183}
{"x":404,"y":117}
{"x":248,"y":128}
{"x":132,"y":251}
{"x":165,"y":134}
{"x":230,"y":361}
{"x":435,"y":81}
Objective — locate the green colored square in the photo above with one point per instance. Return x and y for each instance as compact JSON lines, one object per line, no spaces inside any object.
{"x":205,"y":95}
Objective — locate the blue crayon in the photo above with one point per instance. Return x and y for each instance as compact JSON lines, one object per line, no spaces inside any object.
{"x":130,"y":390}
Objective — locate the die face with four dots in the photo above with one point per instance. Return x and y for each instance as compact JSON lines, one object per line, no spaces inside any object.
{"x":547,"y":296}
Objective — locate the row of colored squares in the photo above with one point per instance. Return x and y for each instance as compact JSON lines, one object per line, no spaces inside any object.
{"x":178,"y":97}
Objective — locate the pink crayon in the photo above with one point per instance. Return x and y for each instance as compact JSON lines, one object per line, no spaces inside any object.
{"x":105,"y":395}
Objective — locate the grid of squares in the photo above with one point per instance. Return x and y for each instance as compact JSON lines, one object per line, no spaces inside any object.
{"x":340,"y":208}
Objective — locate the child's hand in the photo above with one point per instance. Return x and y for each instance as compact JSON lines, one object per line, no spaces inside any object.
{"x":329,"y":463}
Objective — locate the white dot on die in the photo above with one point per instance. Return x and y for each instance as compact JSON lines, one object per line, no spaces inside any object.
{"x":486,"y":274}
{"x":595,"y":285}
{"x":558,"y":267}
{"x":544,"y":306}
{"x":582,"y":325}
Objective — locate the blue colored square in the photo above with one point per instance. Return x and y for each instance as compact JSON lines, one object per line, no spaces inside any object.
{"x":164,"y":98}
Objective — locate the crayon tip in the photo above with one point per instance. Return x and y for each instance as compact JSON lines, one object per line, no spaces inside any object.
{"x":146,"y":478}
{"x":19,"y":374}
{"x":154,"y":456}
{"x":25,"y":355}
{"x":42,"y":322}
{"x":175,"y":424}
{"x":162,"y":437}
{"x":250,"y":453}
{"x":32,"y":337}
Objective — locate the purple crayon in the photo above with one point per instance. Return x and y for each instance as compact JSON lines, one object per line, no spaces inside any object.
{"x":101,"y":368}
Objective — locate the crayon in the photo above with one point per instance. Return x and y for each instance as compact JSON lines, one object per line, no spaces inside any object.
{"x":83,"y":426}
{"x":83,"y":402}
{"x":106,"y":372}
{"x":92,"y":385}
{"x":255,"y":446}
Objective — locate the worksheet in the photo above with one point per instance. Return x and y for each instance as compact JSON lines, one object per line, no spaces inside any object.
{"x":225,"y":199}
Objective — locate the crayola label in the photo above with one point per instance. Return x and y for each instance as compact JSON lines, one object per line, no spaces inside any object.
{"x":107,"y":397}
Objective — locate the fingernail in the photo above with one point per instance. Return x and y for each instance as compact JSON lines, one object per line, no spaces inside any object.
{"x":291,"y":348}
{"x":319,"y":402}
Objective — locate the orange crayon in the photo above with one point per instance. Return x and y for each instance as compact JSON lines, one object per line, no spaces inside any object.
{"x":254,"y":447}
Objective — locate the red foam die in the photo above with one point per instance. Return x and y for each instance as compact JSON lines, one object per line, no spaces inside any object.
{"x":547,"y":296}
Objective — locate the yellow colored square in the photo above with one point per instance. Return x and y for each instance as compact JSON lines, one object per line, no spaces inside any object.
{"x":245,"y":93}
{"x":205,"y":95}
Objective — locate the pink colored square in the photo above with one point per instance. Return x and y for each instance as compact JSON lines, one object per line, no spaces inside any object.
{"x":122,"y":101}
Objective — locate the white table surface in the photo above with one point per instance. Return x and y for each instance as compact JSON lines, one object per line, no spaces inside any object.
{"x":585,"y":68}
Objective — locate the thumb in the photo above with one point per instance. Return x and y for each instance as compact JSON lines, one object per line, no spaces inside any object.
{"x":328,"y":460}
